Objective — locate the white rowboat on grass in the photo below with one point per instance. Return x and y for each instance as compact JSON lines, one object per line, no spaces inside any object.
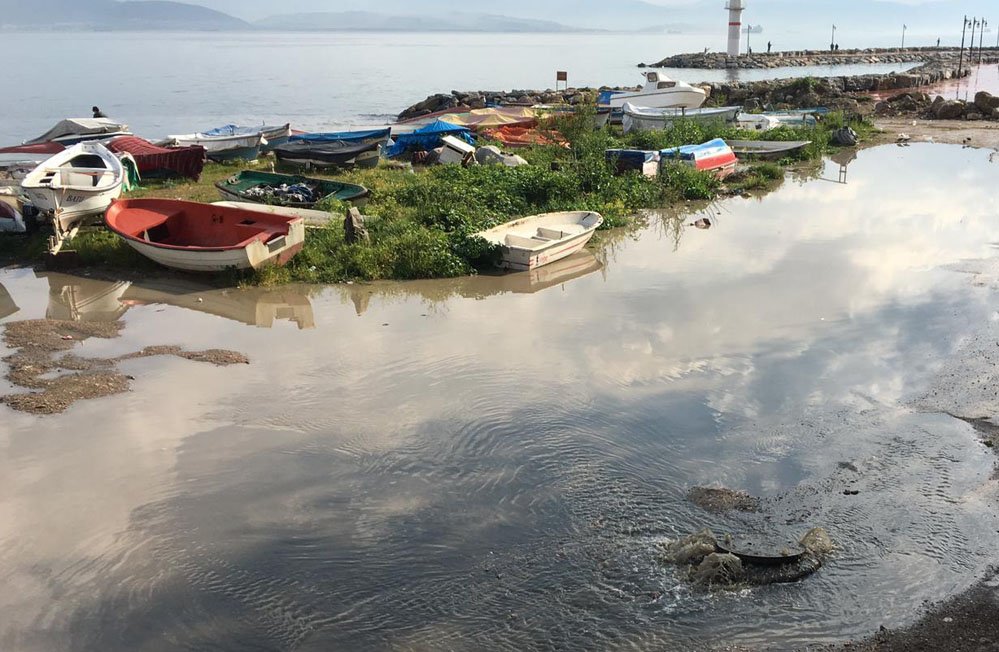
{"x":531,"y":242}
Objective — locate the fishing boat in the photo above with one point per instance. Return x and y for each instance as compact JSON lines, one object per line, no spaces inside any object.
{"x":274,"y":135}
{"x":643,"y":118}
{"x":659,"y":91}
{"x":155,"y":161}
{"x":713,"y":156}
{"x":332,"y":154}
{"x":204,"y":237}
{"x":311,"y":217}
{"x":531,"y":242}
{"x":74,"y":185}
{"x":239,"y":147}
{"x":71,"y":131}
{"x":288,"y":189}
{"x":766,"y":148}
{"x":362,"y":137}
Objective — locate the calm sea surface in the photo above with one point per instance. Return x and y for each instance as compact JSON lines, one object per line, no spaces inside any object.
{"x":179,"y":83}
{"x":491,"y":463}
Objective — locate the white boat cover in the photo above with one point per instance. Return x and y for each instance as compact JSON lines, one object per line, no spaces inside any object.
{"x":79,"y":127}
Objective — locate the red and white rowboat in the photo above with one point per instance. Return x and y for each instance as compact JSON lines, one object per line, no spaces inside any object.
{"x":205,"y":237}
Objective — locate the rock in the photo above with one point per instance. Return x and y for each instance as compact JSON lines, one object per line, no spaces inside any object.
{"x":752,"y":105}
{"x":986,"y":102}
{"x":995,"y":114}
{"x":973,"y":115}
{"x":950,"y":110}
{"x":353,"y":227}
{"x":845,"y":137}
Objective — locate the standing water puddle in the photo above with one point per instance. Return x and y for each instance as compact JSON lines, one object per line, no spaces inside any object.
{"x":492,"y":463}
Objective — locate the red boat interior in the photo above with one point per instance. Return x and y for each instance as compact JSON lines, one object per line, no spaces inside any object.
{"x":181,"y":224}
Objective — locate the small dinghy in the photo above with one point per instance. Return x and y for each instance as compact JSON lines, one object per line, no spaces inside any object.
{"x":713,"y":156}
{"x":640,"y":118}
{"x":531,"y":242}
{"x":766,"y":148}
{"x":74,"y":185}
{"x":288,"y":189}
{"x":205,"y":237}
{"x":274,"y":135}
{"x":239,"y":147}
{"x":331,"y":154}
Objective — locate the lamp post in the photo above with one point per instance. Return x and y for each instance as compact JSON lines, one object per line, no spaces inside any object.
{"x":981,"y":39}
{"x":749,"y":30}
{"x":832,"y":40}
{"x":903,"y":35}
{"x":960,"y":59}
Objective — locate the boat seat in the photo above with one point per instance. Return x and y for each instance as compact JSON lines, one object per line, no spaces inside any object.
{"x":559,"y":233}
{"x":526,"y":243}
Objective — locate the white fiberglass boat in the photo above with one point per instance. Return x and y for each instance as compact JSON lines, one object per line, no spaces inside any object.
{"x":659,"y":91}
{"x":531,"y":242}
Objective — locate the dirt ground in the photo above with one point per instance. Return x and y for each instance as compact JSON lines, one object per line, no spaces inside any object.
{"x":956,"y":132}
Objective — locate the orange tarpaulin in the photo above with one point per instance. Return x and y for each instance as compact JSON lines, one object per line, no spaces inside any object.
{"x":524,"y":136}
{"x":480,"y":119}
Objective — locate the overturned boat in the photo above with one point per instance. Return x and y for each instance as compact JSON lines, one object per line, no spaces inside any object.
{"x":328,"y":154}
{"x":535,"y":241}
{"x":273,"y":135}
{"x":71,"y":131}
{"x":643,"y":118}
{"x":205,"y":237}
{"x":766,"y":148}
{"x":358,"y":137}
{"x":238,"y":147}
{"x":74,"y":185}
{"x":713,"y":156}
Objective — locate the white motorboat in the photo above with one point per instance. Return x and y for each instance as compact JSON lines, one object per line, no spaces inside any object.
{"x":766,"y":148}
{"x":643,"y":118}
{"x":73,"y":185}
{"x":531,"y":242}
{"x":659,"y":91}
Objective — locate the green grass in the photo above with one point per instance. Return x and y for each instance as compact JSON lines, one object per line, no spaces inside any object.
{"x":421,"y":222}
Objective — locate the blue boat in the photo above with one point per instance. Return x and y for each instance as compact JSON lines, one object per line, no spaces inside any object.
{"x":429,"y":137}
{"x":366,"y":137}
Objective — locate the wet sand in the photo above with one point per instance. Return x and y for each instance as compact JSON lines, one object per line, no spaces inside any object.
{"x":982,"y":134}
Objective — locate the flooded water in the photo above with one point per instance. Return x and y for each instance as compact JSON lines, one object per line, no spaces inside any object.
{"x":491,"y":463}
{"x":186,"y":82}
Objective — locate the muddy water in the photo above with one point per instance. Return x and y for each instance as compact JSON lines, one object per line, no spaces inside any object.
{"x":491,"y":463}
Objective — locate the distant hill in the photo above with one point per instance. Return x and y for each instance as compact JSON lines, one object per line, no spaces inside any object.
{"x":371,"y":21}
{"x":113,"y":15}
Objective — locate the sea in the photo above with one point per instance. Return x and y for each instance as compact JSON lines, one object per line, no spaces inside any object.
{"x":169,"y":83}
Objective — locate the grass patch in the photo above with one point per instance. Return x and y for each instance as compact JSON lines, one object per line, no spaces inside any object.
{"x":421,"y":222}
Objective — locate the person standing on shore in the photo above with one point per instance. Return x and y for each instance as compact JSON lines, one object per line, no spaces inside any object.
{"x":938,"y":43}
{"x":97,"y":112}
{"x":769,"y":45}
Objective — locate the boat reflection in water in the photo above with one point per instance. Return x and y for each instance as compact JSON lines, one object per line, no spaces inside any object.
{"x":7,"y":305}
{"x":480,"y":286}
{"x":81,"y":299}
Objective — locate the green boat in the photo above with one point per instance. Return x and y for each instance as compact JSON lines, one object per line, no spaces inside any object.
{"x":288,"y":189}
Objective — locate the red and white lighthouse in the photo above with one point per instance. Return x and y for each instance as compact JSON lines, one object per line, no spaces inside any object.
{"x":735,"y":9}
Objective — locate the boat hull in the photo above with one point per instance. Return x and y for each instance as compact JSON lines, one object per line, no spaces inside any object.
{"x":522,"y":260}
{"x":636,"y":119}
{"x":255,"y":256}
{"x":686,"y":98}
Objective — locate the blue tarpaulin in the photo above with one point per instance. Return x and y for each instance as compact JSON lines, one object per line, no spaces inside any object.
{"x":346,"y":136}
{"x":429,"y":137}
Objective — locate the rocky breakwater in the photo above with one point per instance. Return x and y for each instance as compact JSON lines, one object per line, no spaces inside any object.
{"x":984,"y":107}
{"x":799,"y":58}
{"x":480,"y":99}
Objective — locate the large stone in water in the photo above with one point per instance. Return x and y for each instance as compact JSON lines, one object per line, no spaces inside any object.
{"x":986,"y":102}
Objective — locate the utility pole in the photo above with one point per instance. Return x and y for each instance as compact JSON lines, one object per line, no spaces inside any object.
{"x":960,"y":60}
{"x":903,"y":35}
{"x":971,"y":46}
{"x":981,"y":38}
{"x":832,"y":39}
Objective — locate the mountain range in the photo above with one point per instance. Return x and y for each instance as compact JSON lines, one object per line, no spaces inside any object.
{"x":788,"y":16}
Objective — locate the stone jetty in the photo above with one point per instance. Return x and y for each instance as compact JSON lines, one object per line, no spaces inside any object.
{"x":850,"y":93}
